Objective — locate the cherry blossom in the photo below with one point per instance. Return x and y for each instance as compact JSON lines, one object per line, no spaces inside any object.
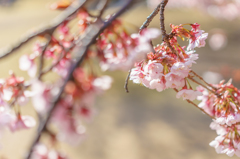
{"x":188,"y":94}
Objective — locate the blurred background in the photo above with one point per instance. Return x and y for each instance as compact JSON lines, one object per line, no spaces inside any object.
{"x":143,"y":124}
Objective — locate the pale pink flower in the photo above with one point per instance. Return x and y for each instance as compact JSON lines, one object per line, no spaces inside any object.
{"x":191,"y":59}
{"x":198,"y":40}
{"x":188,"y":94}
{"x":6,"y":118}
{"x":41,"y":96}
{"x":154,"y":69}
{"x":26,"y":63}
{"x":22,"y":122}
{"x":180,"y":69}
{"x":157,"y":84}
{"x":42,"y":152}
{"x":102,"y":83}
{"x":229,"y":151}
{"x":138,"y":76}
{"x":174,"y":81}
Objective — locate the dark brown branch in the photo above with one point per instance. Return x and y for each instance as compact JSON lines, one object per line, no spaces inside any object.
{"x":165,"y":36}
{"x":126,"y":81}
{"x":70,"y":11}
{"x":150,"y":18}
{"x":90,"y":37}
{"x":162,"y":24}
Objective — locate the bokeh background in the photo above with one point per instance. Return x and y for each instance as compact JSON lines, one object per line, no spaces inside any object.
{"x":143,"y":124}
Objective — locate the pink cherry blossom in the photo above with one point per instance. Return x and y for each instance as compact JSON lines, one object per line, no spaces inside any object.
{"x":180,"y":69}
{"x":188,"y":94}
{"x":22,"y":122}
{"x":154,"y":69}
{"x":174,"y":81}
{"x":26,"y":63}
{"x":197,"y":40}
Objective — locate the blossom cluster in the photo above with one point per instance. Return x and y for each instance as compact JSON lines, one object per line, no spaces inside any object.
{"x":77,"y":104}
{"x":167,"y":67}
{"x":223,"y":106}
{"x":13,"y":94}
{"x":118,"y":50}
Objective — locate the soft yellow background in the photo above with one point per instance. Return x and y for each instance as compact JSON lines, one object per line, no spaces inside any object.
{"x":143,"y":124}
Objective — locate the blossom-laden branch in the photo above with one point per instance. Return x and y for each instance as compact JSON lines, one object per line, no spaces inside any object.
{"x":70,"y":11}
{"x":169,"y":66}
{"x":92,"y":32}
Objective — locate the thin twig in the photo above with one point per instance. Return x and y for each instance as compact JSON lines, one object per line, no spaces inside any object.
{"x":41,"y":60}
{"x":190,"y":102}
{"x":165,"y":36}
{"x":63,"y":54}
{"x":162,"y":24}
{"x":126,"y":81}
{"x":203,"y":86}
{"x":87,"y":41}
{"x":203,"y":80}
{"x":70,"y":11}
{"x":150,"y":18}
{"x":103,"y":8}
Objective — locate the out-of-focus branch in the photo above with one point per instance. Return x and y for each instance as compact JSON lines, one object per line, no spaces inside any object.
{"x":92,"y":33}
{"x":41,"y":61}
{"x":70,"y":11}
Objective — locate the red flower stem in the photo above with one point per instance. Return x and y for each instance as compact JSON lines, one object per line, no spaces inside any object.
{"x":190,"y":102}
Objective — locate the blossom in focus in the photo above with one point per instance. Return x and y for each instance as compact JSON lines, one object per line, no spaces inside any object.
{"x":225,"y":111}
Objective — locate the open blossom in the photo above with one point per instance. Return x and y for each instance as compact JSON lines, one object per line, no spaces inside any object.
{"x":22,"y":122}
{"x":197,"y":39}
{"x":225,"y":111}
{"x":188,"y":94}
{"x":26,"y":63}
{"x":166,"y":69}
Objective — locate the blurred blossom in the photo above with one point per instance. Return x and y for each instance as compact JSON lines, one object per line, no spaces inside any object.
{"x":212,"y":77}
{"x":226,"y":9}
{"x":218,"y":40}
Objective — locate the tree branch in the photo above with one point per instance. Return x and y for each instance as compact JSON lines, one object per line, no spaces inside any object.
{"x":70,"y":11}
{"x":126,"y":81}
{"x":90,"y":37}
{"x":150,"y":18}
